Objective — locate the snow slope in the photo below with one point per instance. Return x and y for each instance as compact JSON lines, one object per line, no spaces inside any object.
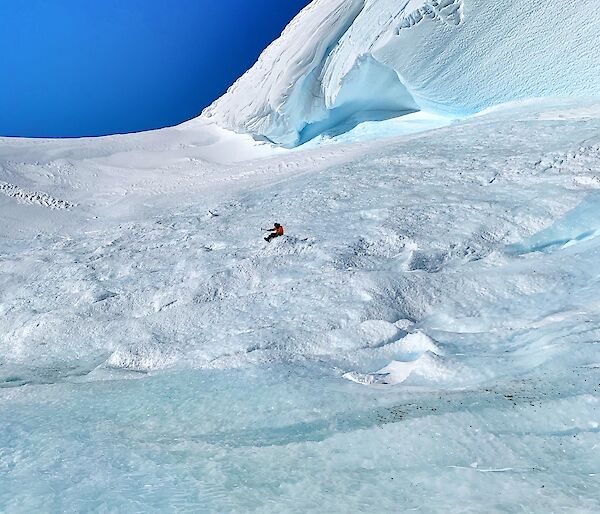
{"x":346,"y":61}
{"x":425,"y":337}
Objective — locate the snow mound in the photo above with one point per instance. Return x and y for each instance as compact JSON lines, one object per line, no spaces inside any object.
{"x":419,"y":358}
{"x":342,"y":62}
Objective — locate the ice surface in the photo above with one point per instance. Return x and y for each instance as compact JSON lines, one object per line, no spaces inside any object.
{"x":425,"y":336}
{"x":450,"y":57}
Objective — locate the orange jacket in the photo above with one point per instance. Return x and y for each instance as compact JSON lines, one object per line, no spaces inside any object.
{"x":279,"y":230}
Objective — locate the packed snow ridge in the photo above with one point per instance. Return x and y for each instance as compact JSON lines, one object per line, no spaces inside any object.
{"x":341,"y":62}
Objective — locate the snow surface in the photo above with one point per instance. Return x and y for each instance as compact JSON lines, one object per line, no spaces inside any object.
{"x":425,"y":336}
{"x":452,"y":57}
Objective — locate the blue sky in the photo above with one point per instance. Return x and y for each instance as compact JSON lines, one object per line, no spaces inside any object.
{"x":78,"y":67}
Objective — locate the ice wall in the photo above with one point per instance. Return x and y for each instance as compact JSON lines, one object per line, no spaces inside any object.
{"x":343,"y":60}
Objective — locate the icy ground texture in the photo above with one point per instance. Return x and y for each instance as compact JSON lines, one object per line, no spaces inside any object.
{"x":345,"y":61}
{"x":424,"y":338}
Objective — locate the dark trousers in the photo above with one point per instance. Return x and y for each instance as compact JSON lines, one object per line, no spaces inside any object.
{"x":272,"y":235}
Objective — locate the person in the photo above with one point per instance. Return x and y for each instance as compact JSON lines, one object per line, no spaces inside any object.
{"x":276,"y":231}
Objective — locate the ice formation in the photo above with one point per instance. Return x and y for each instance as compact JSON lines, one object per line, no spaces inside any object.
{"x":345,"y":61}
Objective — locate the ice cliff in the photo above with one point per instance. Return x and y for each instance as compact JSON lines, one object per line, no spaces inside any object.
{"x":340,"y":62}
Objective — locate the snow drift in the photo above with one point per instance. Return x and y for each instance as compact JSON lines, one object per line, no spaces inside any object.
{"x":341,"y":62}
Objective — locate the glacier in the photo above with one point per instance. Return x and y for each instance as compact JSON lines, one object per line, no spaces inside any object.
{"x":450,"y":57}
{"x":425,"y":337}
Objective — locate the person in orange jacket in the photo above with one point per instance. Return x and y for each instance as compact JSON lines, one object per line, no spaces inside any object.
{"x":276,"y":231}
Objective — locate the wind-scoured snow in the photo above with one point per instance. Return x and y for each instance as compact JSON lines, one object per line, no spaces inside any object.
{"x":451,"y":57}
{"x":425,"y":336}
